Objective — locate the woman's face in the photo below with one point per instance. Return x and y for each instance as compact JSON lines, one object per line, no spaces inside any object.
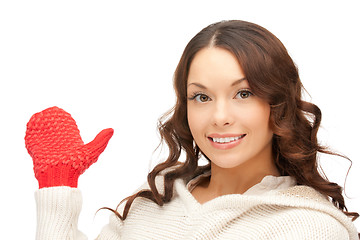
{"x":228,"y":123}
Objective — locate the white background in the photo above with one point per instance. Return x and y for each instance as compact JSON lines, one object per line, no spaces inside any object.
{"x":110,"y":64}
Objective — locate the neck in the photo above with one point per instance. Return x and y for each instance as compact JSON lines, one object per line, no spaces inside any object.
{"x":237,"y":180}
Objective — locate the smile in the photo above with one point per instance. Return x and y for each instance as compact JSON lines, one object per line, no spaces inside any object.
{"x":227,"y":139}
{"x":224,"y":143}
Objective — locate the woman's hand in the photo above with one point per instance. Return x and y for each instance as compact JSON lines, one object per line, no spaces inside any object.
{"x":58,"y":152}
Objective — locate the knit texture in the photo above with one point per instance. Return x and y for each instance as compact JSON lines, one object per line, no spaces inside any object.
{"x":59,"y":155}
{"x":58,"y":221}
{"x":297,"y":212}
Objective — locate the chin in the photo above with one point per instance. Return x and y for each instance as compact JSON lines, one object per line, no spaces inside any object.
{"x":228,"y":163}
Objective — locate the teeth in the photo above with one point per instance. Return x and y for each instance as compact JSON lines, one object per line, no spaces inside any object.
{"x":226,"y":140}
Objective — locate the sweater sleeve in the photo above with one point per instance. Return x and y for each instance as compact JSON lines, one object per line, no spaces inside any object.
{"x":58,"y":210}
{"x":112,"y":230}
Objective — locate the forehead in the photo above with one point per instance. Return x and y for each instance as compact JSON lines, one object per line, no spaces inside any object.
{"x":214,"y":64}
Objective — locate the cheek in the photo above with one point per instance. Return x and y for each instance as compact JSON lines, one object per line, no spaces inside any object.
{"x":194,"y":121}
{"x":257,"y":120}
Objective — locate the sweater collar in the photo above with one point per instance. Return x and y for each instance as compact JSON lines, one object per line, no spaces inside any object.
{"x":277,"y":191}
{"x":269,"y":185}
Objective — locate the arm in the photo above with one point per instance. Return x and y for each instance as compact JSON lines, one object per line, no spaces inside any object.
{"x":60,"y":157}
{"x":111,"y":231}
{"x":58,"y":210}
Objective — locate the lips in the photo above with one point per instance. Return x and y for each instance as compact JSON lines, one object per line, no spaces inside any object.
{"x":227,"y":141}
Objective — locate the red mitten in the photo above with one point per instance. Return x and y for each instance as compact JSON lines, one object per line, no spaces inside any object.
{"x":58,"y":152}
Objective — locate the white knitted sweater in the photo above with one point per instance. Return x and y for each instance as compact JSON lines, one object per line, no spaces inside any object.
{"x":272,"y":209}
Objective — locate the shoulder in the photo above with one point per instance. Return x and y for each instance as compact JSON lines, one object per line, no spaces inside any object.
{"x":314,"y":214}
{"x":305,"y":223}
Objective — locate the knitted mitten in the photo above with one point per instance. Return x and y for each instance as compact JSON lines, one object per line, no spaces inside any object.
{"x":58,"y":152}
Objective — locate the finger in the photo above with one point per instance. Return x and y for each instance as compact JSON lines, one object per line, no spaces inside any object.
{"x":94,"y":148}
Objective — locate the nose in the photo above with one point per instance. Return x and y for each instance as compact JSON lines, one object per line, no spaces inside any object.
{"x":222,"y":114}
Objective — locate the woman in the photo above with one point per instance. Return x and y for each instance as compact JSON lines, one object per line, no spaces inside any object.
{"x":239,"y":106}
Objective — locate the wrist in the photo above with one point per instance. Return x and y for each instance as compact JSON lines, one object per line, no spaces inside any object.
{"x":54,"y":176}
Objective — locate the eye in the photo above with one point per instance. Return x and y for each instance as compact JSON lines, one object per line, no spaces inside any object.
{"x":243,"y":94}
{"x":201,"y":98}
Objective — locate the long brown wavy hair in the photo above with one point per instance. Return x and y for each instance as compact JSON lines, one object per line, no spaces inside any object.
{"x":272,"y":76}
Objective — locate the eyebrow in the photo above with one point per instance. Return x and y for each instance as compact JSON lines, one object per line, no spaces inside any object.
{"x":203,"y":87}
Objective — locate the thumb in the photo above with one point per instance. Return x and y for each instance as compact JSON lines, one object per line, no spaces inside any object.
{"x":94,"y":148}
